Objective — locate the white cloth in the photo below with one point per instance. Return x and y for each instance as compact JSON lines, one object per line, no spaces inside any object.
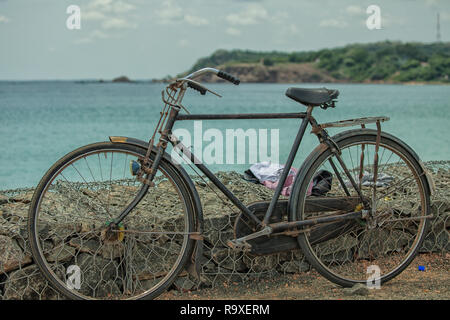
{"x":267,"y":171}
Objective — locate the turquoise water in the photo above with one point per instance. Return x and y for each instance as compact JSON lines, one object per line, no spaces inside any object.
{"x":42,"y":121}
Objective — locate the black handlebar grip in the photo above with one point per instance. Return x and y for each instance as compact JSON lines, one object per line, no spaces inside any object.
{"x":228,"y":77}
{"x":199,"y":88}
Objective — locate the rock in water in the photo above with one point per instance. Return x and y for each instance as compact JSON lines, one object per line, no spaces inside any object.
{"x":121,"y":79}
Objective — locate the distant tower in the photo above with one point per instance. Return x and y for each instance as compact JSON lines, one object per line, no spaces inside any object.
{"x":438,"y":29}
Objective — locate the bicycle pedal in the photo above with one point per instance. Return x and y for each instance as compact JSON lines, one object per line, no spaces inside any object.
{"x":239,"y":245}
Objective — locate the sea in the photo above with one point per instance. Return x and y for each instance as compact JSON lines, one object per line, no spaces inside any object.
{"x":41,"y":121}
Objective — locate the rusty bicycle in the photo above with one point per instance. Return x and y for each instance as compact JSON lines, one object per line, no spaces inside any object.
{"x":122,"y":219}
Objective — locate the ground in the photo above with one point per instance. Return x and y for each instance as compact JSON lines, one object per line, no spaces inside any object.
{"x":411,"y":284}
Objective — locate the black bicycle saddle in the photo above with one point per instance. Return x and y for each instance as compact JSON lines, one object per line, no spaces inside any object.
{"x":312,"y":97}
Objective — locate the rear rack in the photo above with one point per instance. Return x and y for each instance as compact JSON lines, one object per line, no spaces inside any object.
{"x":353,"y":122}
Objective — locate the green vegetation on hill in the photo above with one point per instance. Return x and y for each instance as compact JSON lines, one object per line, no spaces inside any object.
{"x":382,"y":61}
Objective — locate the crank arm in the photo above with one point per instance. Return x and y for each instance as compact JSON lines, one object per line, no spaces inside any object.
{"x":242,"y":244}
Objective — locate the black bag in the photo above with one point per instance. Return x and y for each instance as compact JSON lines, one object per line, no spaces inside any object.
{"x":321,"y":183}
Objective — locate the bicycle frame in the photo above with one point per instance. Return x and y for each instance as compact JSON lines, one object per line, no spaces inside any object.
{"x":306,"y":117}
{"x":166,"y":136}
{"x":213,"y":178}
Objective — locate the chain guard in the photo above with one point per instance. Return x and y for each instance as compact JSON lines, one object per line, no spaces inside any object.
{"x":278,"y":243}
{"x":265,"y":244}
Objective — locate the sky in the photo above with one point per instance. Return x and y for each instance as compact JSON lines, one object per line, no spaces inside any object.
{"x":145,"y":39}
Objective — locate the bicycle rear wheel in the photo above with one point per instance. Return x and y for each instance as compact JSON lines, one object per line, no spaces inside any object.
{"x":73,"y":206}
{"x":380,"y":247}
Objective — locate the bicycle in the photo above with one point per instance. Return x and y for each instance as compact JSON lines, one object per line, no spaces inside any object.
{"x":127,"y":220}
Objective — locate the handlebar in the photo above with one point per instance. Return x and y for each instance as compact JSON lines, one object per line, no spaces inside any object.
{"x":229,"y":77}
{"x":189,"y":82}
{"x":197,"y":87}
{"x":219,"y":73}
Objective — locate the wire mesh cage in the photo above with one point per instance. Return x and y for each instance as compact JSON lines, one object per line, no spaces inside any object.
{"x":21,"y":279}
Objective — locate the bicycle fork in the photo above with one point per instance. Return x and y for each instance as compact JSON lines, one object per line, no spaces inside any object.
{"x":147,"y":173}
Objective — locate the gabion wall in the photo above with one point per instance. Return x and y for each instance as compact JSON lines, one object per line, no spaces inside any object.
{"x":21,"y":279}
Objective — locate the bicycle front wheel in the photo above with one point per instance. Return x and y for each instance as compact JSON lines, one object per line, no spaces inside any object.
{"x":371,"y":249}
{"x":70,"y":216}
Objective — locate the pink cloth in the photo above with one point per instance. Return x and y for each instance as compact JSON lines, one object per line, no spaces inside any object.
{"x":287,"y":188}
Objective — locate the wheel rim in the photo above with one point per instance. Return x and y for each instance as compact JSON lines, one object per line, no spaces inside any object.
{"x":360,"y":253}
{"x":78,"y":205}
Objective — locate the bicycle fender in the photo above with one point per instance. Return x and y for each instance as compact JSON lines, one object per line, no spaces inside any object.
{"x":194,"y":265}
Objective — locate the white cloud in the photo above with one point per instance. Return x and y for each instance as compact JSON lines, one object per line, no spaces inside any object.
{"x":92,"y":15}
{"x":103,"y":5}
{"x":99,"y":34}
{"x":432,"y":2}
{"x":110,"y":6}
{"x":340,"y":20}
{"x":4,"y":19}
{"x":279,"y":17}
{"x":293,"y":29}
{"x":94,"y":35}
{"x":233,"y":31}
{"x":195,"y":21}
{"x":355,"y":10}
{"x":183,"y":43}
{"x":121,"y":7}
{"x":444,"y":16}
{"x":253,"y":14}
{"x":333,"y":23}
{"x":109,"y":16}
{"x":105,"y":9}
{"x":170,"y":13}
{"x":117,"y":23}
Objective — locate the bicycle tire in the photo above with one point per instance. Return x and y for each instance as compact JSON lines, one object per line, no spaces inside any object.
{"x":51,"y":271}
{"x":311,"y":247}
